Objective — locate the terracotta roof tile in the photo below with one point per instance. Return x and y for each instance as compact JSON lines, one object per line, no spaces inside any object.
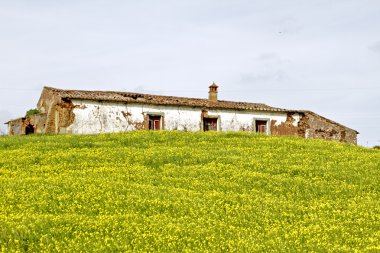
{"x":130,"y":97}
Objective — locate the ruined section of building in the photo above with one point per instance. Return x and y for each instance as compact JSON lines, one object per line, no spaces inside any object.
{"x":27,"y":125}
{"x":91,"y":112}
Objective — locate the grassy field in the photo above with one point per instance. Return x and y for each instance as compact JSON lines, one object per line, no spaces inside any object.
{"x":195,"y":192}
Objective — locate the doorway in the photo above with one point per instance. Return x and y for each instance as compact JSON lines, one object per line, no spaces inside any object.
{"x":29,"y":129}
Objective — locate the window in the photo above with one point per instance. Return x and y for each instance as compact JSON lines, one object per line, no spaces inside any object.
{"x":261,"y":126}
{"x":210,"y":124}
{"x":154,"y":122}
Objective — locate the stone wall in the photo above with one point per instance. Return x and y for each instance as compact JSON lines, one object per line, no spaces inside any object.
{"x":15,"y":127}
{"x":18,"y":126}
{"x":37,"y":121}
{"x":319,"y":127}
{"x":310,"y":125}
{"x":294,"y":125}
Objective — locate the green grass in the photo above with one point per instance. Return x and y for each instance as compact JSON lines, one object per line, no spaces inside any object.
{"x":195,"y":192}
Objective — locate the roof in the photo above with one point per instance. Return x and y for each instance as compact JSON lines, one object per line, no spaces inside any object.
{"x":129,"y":97}
{"x":16,"y":119}
{"x":23,"y":118}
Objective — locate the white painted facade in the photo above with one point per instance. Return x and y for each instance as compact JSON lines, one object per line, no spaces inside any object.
{"x":105,"y":117}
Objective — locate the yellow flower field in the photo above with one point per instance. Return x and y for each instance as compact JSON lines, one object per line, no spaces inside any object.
{"x":187,"y":192}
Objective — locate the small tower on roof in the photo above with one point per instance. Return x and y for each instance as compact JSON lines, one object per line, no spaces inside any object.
{"x":213,"y":92}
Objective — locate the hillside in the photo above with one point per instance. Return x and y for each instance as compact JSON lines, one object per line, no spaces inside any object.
{"x":178,"y":191}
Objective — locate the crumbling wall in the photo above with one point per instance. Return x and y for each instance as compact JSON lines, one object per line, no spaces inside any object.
{"x":37,"y":121}
{"x":322,"y":128}
{"x":294,"y":125}
{"x":48,"y":104}
{"x":64,"y":115}
{"x":15,"y":126}
{"x":58,"y":111}
{"x":313,"y":126}
{"x":350,"y":136}
{"x":18,"y":126}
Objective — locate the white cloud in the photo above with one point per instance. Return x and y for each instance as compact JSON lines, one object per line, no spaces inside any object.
{"x":375,"y":47}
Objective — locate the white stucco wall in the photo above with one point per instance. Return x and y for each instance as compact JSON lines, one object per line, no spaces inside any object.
{"x":244,"y":120}
{"x":105,"y":117}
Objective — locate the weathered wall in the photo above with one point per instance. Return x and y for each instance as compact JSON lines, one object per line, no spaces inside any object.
{"x":294,"y":125}
{"x":322,"y":128}
{"x":231,"y":120}
{"x":313,"y":126}
{"x":15,"y":127}
{"x":50,"y":104}
{"x":351,"y":136}
{"x":104,"y":117}
{"x":37,"y":121}
{"x":63,"y":116}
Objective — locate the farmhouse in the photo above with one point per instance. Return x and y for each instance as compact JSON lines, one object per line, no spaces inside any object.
{"x":91,"y":112}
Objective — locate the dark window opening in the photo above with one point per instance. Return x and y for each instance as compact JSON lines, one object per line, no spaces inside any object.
{"x":29,"y":129}
{"x":261,"y":126}
{"x":210,"y":124}
{"x":154,"y":122}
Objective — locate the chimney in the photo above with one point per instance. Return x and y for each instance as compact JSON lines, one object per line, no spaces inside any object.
{"x":213,"y":93}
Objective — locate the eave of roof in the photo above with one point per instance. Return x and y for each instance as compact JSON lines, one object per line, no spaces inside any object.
{"x":129,"y":97}
{"x":20,"y":118}
{"x":330,"y":121}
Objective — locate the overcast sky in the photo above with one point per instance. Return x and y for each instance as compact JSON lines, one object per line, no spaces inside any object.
{"x":320,"y":55}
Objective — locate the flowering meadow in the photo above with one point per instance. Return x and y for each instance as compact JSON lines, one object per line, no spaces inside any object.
{"x":187,"y":192}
